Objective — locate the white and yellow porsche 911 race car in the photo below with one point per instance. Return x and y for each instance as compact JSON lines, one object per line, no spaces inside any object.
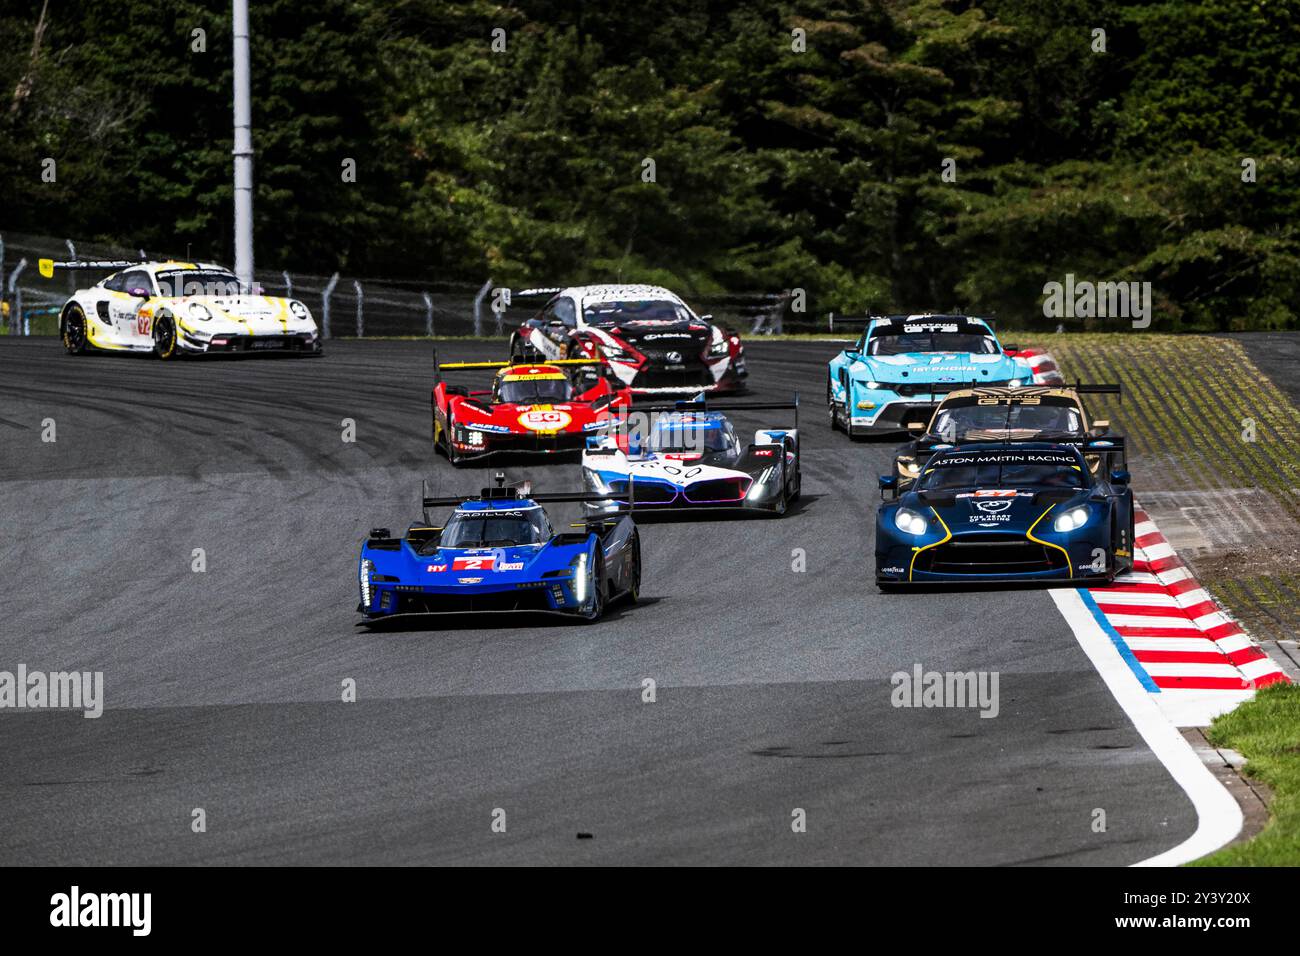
{"x":179,"y":308}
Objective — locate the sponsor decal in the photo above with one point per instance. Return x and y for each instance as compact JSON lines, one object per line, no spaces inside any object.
{"x":988,"y":521}
{"x":931,"y":327}
{"x":1008,"y":458}
{"x":664,"y":335}
{"x":763,"y":452}
{"x":510,"y":566}
{"x":435,"y":569}
{"x":893,"y":571}
{"x":994,"y":506}
{"x":673,"y":358}
{"x":485,"y":563}
{"x":471,"y":580}
{"x":545,"y":420}
{"x":484,"y":427}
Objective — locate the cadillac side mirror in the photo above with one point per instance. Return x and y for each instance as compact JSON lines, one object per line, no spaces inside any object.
{"x":1119,"y":477}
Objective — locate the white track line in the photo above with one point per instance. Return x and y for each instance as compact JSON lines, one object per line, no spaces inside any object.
{"x":1218,"y":818}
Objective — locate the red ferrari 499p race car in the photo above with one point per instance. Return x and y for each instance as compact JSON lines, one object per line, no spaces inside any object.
{"x":542,"y":408}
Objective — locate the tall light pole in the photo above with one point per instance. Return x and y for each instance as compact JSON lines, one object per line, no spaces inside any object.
{"x":243,"y":151}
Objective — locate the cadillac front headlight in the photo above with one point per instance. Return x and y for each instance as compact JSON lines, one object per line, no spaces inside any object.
{"x":367,"y":569}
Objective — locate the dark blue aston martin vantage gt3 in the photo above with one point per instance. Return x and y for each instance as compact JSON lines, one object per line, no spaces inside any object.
{"x":1005,"y":513}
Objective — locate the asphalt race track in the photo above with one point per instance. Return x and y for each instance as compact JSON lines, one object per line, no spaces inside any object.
{"x":223,"y":688}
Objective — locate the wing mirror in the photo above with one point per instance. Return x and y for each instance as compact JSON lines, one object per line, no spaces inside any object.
{"x":917,"y":428}
{"x":140,"y":293}
{"x":1100,"y":426}
{"x":707,"y":318}
{"x":1011,"y":348}
{"x":888,"y":483}
{"x":1119,"y":477}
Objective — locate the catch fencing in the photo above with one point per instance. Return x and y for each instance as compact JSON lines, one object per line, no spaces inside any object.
{"x":344,"y":306}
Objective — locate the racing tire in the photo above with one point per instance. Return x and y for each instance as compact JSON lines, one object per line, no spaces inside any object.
{"x":830,"y":406}
{"x":848,"y":415}
{"x":74,"y":331}
{"x":1132,"y":542}
{"x":599,"y":585}
{"x":453,"y":456}
{"x":633,"y":592}
{"x":165,"y":345}
{"x":782,"y":502}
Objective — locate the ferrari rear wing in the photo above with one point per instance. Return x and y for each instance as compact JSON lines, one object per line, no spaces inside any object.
{"x":46,"y":267}
{"x":440,"y":367}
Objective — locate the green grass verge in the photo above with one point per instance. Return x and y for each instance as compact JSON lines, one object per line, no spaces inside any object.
{"x":1266,"y":731}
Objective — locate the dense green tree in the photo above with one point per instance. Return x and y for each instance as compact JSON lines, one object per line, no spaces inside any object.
{"x":792,"y":144}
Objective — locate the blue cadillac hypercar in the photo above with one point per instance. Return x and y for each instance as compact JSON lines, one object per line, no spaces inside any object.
{"x":903,"y":365}
{"x":498,"y":552}
{"x":1012,"y":512}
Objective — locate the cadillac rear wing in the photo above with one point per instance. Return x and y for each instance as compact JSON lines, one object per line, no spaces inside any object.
{"x":522,"y":491}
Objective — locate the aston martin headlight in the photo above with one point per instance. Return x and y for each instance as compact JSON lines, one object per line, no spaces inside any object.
{"x":910,"y":522}
{"x":1071,"y":520}
{"x":199,"y":311}
{"x":367,"y":569}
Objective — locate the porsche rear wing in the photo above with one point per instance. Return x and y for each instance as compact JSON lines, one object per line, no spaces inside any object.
{"x":46,"y":267}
